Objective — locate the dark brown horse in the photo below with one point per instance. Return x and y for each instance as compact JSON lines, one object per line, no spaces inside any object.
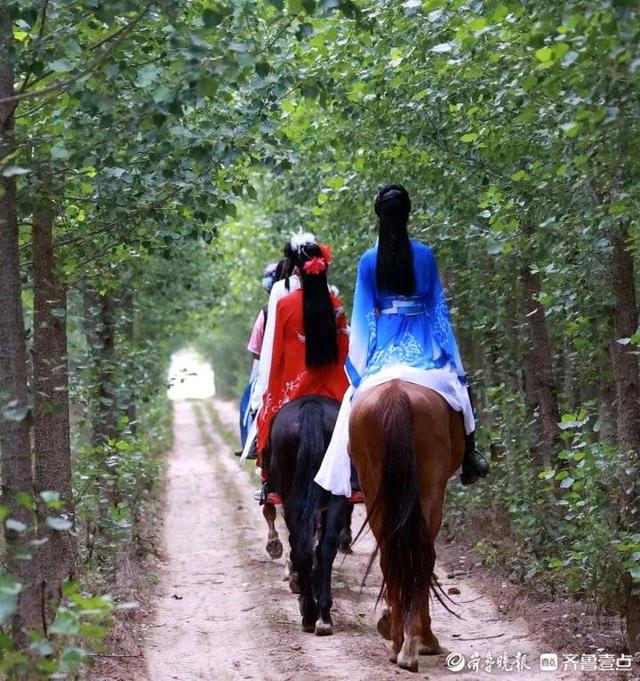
{"x":300,"y":435}
{"x":405,"y":442}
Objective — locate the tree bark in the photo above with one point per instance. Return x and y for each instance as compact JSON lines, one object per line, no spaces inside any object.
{"x":99,"y":317}
{"x":15,"y":443}
{"x":126,"y":304}
{"x":99,"y":313}
{"x":541,"y":366}
{"x":52,"y":448}
{"x":627,"y":389}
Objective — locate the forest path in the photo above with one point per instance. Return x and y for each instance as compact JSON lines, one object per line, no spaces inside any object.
{"x":224,"y":611}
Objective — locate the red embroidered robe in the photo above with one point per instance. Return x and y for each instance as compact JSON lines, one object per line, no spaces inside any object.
{"x":290,"y":378}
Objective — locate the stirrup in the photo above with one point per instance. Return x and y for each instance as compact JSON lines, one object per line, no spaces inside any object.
{"x":261,"y":495}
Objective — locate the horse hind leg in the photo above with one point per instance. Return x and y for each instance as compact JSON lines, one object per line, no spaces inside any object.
{"x":274,"y":545}
{"x":429,"y":644}
{"x":328,"y":548}
{"x":302,"y":567}
{"x":408,"y":655}
{"x":384,"y":624}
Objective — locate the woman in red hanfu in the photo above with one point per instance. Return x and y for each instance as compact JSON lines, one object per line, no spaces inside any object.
{"x":309,"y":348}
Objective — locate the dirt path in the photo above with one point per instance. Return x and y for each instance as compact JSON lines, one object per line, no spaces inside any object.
{"x":225,"y":612}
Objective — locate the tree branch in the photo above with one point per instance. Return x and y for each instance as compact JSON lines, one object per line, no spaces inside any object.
{"x":61,"y":85}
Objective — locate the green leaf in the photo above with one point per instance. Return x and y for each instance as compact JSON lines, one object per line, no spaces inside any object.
{"x":59,"y":151}
{"x":14,"y":411}
{"x":15,"y":525}
{"x":25,"y":500}
{"x":65,"y":623}
{"x":10,"y":588}
{"x":212,"y":18}
{"x":51,"y":498}
{"x":12,"y":171}
{"x":61,"y":66}
{"x":263,"y":68}
{"x":59,"y":524}
{"x":469,"y":137}
{"x":147,"y":74}
{"x":544,"y":54}
{"x":442,"y":48}
{"x":500,"y":12}
{"x":478,"y":24}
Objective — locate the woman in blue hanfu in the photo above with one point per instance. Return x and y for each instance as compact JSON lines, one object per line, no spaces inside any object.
{"x":400,"y":329}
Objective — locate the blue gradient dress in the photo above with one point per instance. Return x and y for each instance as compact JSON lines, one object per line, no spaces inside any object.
{"x":397,"y":337}
{"x":387,"y":329}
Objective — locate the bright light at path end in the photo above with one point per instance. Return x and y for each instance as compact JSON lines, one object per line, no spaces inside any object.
{"x":190,"y":377}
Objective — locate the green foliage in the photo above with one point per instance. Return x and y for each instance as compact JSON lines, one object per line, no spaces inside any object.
{"x":77,"y":631}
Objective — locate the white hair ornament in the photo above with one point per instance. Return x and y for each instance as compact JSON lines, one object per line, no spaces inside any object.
{"x":298,"y":241}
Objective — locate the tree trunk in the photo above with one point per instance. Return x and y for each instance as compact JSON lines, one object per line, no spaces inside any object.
{"x":627,"y":387}
{"x":99,"y":317}
{"x":99,"y":313}
{"x":15,"y":443}
{"x":51,"y":408}
{"x":541,"y":365}
{"x":126,"y":303}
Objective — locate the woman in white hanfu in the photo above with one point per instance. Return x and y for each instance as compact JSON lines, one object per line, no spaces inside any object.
{"x":280,"y":289}
{"x":400,"y":329}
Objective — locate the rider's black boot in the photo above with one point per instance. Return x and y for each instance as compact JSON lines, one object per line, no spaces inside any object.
{"x":474,"y":465}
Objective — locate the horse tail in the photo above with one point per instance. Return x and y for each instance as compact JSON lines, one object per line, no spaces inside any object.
{"x":407,"y":554}
{"x":305,"y":493}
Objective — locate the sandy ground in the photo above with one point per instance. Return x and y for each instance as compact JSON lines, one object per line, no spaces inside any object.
{"x":224,"y":611}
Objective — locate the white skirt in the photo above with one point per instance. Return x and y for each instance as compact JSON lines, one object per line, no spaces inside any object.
{"x":335,"y":472}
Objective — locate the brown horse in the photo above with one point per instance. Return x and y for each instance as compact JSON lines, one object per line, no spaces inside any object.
{"x":405,"y":442}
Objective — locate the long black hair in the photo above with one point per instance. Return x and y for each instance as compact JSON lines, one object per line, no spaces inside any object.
{"x":321,"y":343}
{"x":284,"y":269}
{"x":394,"y":264}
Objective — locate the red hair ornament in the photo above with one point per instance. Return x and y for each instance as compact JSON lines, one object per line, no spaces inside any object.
{"x":326,"y":253}
{"x":315,"y":266}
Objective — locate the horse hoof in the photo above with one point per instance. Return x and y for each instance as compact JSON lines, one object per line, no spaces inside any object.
{"x":274,"y":548}
{"x":409,"y":665}
{"x":432,"y":649}
{"x":308,"y":627}
{"x":384,"y":627}
{"x":393,"y":659}
{"x":323,"y":628}
{"x":293,"y":585}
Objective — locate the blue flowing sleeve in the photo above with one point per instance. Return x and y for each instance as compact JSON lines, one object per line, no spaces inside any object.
{"x":363,"y":320}
{"x":443,"y":335}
